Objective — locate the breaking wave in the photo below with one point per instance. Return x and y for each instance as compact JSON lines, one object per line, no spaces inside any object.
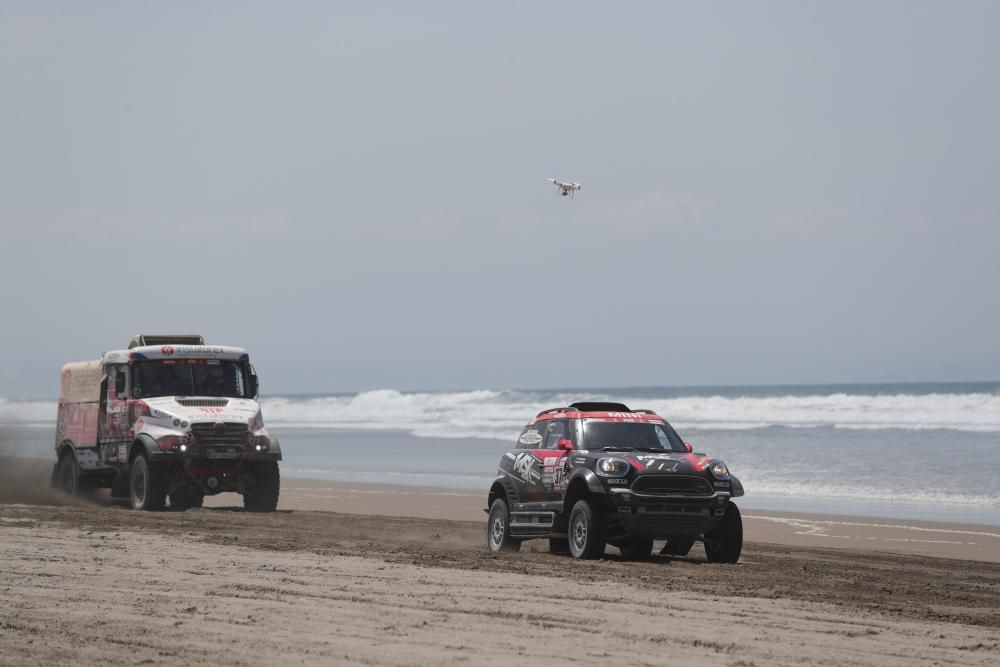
{"x":501,"y":414}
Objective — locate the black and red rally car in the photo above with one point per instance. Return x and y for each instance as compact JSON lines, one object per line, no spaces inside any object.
{"x":592,"y":474}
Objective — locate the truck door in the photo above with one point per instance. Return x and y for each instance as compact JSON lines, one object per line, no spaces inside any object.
{"x":115,"y":432}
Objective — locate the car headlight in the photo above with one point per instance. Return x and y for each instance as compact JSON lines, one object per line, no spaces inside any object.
{"x":612,"y":467}
{"x":719,"y":470}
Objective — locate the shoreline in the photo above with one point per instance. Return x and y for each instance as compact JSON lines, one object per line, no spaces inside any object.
{"x":873,"y":534}
{"x":25,"y":481}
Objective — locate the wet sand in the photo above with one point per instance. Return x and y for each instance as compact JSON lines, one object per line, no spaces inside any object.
{"x":374,"y":575}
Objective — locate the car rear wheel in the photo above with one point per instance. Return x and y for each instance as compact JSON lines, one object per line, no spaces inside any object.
{"x":586,"y":532}
{"x":637,"y":548}
{"x":498,"y":529}
{"x":147,"y":485}
{"x":677,"y":546}
{"x":559,"y":546}
{"x":724,"y":543}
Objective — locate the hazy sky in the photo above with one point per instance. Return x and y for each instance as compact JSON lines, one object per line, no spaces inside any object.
{"x":772,"y":192}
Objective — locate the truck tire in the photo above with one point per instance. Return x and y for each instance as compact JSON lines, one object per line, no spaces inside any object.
{"x":637,"y":548}
{"x":182,"y":500}
{"x":147,"y":485}
{"x":678,"y":546}
{"x":70,"y":481}
{"x":261,"y":494}
{"x":586,"y":531}
{"x":498,"y":529}
{"x":724,"y":543}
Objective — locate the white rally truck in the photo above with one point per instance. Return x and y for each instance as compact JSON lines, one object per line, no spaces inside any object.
{"x":167,"y":418}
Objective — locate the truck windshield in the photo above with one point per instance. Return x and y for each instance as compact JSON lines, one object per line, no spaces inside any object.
{"x":189,"y":377}
{"x":631,"y":435}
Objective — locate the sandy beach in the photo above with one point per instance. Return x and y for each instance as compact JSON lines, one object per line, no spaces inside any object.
{"x":355,"y":574}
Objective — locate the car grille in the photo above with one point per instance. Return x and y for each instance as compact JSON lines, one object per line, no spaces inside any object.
{"x":676,"y":523}
{"x":672,"y":485}
{"x":232,"y":434}
{"x":203,"y":402}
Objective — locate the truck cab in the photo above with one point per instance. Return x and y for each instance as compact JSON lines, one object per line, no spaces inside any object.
{"x":168,"y":418}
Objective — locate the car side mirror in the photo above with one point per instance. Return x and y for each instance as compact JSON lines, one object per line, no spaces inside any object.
{"x":566,"y":445}
{"x":252,"y":386}
{"x":119,"y":384}
{"x":687,"y":446}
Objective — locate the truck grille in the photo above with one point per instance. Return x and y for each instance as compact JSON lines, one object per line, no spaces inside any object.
{"x":672,"y":485}
{"x":220,"y":434}
{"x":203,"y":402}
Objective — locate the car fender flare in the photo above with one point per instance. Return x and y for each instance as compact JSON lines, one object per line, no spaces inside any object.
{"x":737,"y":486}
{"x":502,"y":482}
{"x":591,"y":478}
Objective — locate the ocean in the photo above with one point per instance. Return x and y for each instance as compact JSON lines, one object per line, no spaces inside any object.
{"x":913,"y":451}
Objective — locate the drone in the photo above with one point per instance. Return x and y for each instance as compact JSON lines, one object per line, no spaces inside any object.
{"x":565,"y":188}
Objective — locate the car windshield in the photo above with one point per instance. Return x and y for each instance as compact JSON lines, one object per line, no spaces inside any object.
{"x":189,"y":377}
{"x":631,"y":435}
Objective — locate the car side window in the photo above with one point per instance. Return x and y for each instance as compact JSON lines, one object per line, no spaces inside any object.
{"x":555,"y":432}
{"x":530,"y":437}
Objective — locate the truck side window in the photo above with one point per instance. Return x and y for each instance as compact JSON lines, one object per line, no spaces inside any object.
{"x":120,"y":379}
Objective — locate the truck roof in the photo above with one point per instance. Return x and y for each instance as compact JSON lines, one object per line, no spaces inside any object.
{"x":153,"y":352}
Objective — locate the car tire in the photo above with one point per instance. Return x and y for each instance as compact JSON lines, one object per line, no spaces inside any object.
{"x":147,"y":485}
{"x":724,"y":543}
{"x":70,"y":481}
{"x":637,"y":548}
{"x":678,"y":546}
{"x":559,"y":546}
{"x":261,"y":494}
{"x":586,"y":532}
{"x":498,"y":529}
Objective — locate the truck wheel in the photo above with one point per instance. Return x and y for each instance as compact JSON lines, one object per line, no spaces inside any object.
{"x":677,"y":546}
{"x":70,"y":481}
{"x":724,"y":543}
{"x":185,"y":499}
{"x":498,"y":529}
{"x":638,"y":548}
{"x":261,"y":494}
{"x":586,"y":532}
{"x":147,"y":485}
{"x":559,"y":546}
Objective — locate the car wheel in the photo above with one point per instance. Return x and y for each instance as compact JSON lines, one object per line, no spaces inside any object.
{"x":586,"y":532}
{"x":638,"y":548}
{"x":677,"y":546}
{"x":147,"y":485}
{"x":724,"y":543}
{"x":264,"y":485}
{"x":498,"y":529}
{"x":559,"y":546}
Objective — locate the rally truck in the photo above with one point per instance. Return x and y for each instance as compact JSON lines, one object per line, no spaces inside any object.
{"x":594,"y":473}
{"x":168,"y":418}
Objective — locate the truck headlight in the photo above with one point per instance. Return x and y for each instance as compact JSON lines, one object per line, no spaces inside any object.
{"x":612,"y":467}
{"x":720,"y":470}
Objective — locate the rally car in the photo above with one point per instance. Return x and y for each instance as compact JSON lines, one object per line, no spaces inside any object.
{"x":593,"y":474}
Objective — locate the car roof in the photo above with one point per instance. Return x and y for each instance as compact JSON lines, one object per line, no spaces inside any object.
{"x":604,"y":411}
